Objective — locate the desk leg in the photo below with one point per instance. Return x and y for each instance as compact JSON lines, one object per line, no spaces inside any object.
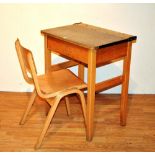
{"x":81,"y":71}
{"x":47,"y":56}
{"x":47,"y":64}
{"x":125,"y":84}
{"x":91,"y":94}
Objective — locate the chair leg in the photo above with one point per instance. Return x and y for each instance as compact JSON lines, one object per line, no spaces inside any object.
{"x":67,"y":105}
{"x":47,"y":108}
{"x":83,"y":103}
{"x":31,"y":101}
{"x":47,"y":122}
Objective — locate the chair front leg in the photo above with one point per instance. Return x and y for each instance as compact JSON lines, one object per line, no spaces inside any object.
{"x":83,"y":103}
{"x":67,"y":105}
{"x":31,"y":101}
{"x":48,"y":120}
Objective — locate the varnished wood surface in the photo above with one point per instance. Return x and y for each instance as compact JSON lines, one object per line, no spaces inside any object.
{"x":66,"y":49}
{"x":91,"y":94}
{"x":68,"y":133}
{"x":87,"y":35}
{"x":104,"y":55}
{"x":63,"y":65}
{"x":80,"y":54}
{"x":52,"y":86}
{"x":107,"y":84}
{"x":125,"y":85}
{"x":93,"y":46}
{"x":59,"y":81}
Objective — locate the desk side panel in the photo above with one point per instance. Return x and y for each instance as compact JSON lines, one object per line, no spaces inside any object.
{"x":67,"y":49}
{"x":108,"y":54}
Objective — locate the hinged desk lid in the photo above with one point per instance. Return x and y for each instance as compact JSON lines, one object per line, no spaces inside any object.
{"x":88,"y":36}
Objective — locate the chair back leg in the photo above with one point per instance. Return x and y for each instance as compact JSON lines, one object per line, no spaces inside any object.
{"x":67,"y":105}
{"x":31,"y":101}
{"x":83,"y":104}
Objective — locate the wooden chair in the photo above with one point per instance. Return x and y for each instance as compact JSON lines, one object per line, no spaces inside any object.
{"x":52,"y":87}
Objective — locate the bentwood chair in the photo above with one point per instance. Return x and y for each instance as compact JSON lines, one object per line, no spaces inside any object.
{"x":52,"y":87}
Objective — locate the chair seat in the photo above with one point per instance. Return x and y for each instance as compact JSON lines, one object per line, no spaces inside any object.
{"x":57,"y":81}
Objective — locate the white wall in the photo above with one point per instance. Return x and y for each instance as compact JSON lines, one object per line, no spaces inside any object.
{"x":26,"y":20}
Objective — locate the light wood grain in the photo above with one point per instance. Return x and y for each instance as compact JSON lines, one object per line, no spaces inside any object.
{"x":108,"y":84}
{"x":87,"y":36}
{"x":68,"y":133}
{"x":30,"y":103}
{"x":62,"y":65}
{"x":48,"y":56}
{"x":67,"y":49}
{"x":91,"y":94}
{"x":67,"y":105}
{"x":125,"y":85}
{"x":52,"y":86}
{"x":104,"y":55}
{"x":81,"y":71}
{"x":92,"y":47}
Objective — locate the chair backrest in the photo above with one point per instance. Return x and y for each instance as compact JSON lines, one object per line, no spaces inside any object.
{"x":27,"y":65}
{"x":23,"y":60}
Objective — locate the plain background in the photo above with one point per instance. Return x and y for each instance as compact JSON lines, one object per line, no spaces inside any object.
{"x":26,"y":20}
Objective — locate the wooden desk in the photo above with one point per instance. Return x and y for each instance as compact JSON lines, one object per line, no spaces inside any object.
{"x":91,"y":46}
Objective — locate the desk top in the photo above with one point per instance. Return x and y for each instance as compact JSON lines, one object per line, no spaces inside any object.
{"x":88,"y":36}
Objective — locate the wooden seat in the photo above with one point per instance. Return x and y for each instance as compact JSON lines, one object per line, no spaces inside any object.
{"x":56,"y":81}
{"x":52,"y":87}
